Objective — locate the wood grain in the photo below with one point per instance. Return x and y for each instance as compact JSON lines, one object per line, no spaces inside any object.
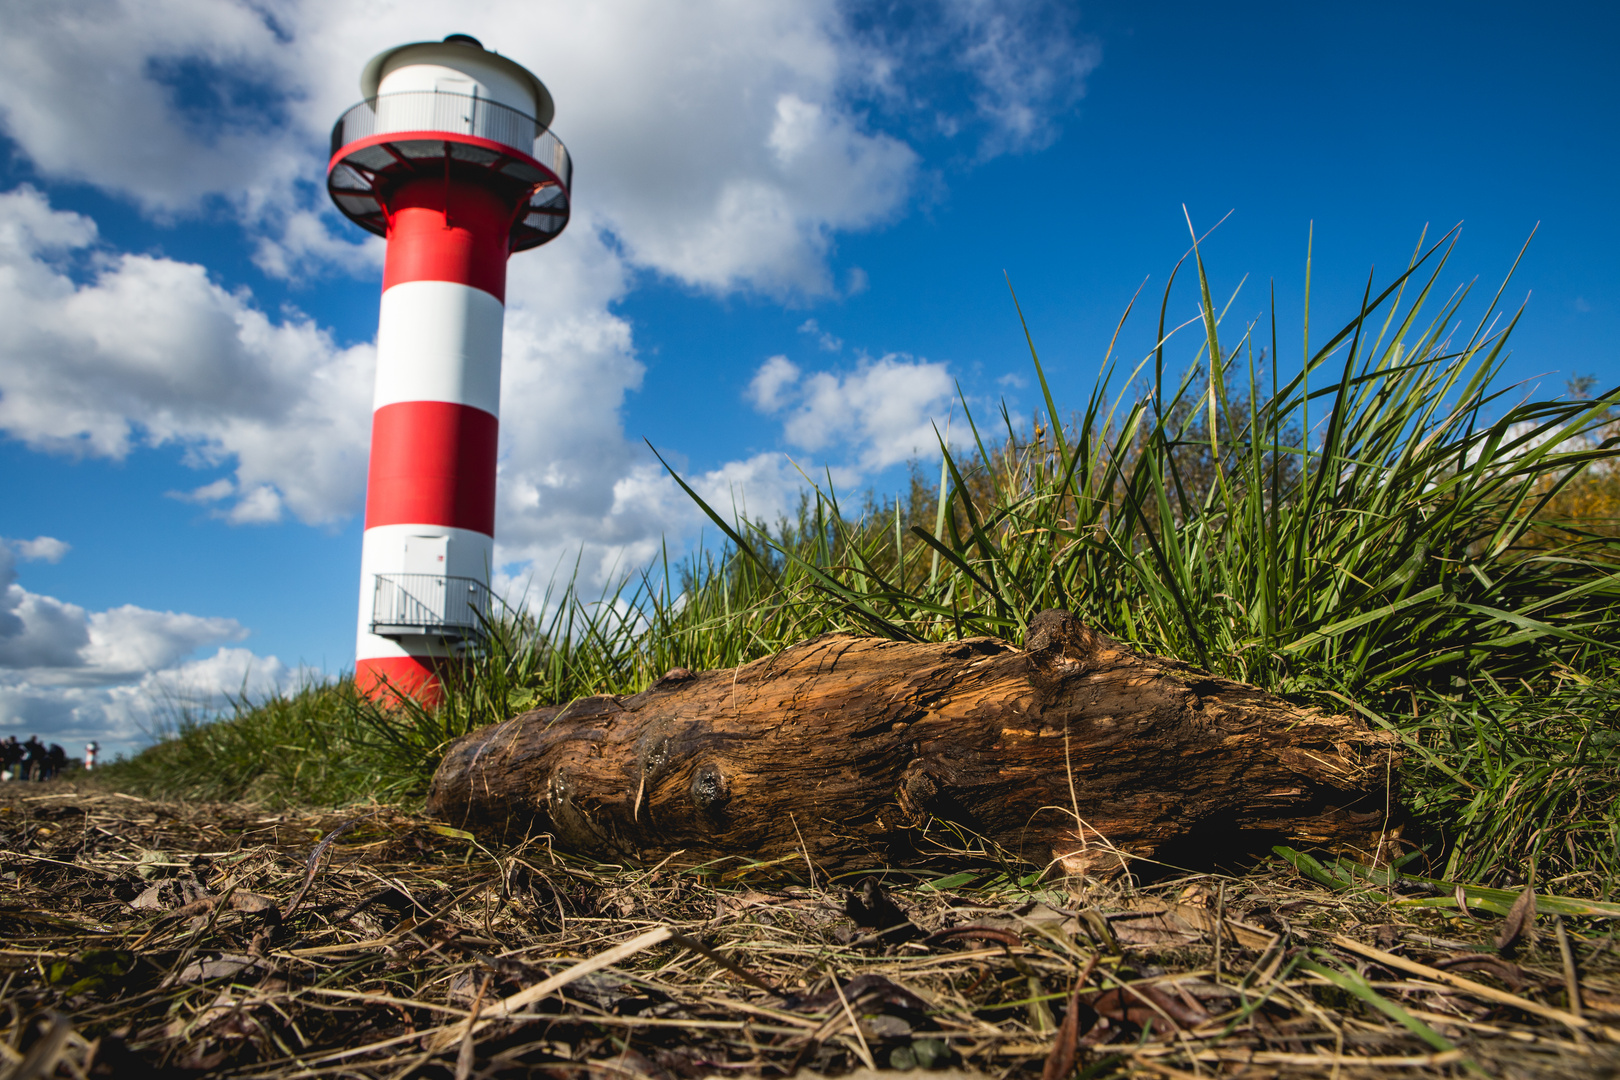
{"x":862,"y":752}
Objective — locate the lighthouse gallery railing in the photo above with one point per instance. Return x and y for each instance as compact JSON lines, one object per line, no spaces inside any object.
{"x":462,"y":114}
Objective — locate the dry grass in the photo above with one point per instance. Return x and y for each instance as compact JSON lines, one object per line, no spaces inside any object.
{"x":160,"y":938}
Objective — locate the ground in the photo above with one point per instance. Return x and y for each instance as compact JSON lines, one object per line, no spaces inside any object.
{"x":145,"y":937}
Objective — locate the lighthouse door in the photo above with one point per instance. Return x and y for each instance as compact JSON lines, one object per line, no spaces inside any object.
{"x":459,"y":110}
{"x":427,"y":561}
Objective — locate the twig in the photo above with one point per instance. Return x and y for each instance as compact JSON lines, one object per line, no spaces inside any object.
{"x":808,"y":864}
{"x":523,"y":998}
{"x":866,"y":1051}
{"x":466,"y":1056}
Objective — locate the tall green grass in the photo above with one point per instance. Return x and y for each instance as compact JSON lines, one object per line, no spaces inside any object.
{"x":1393,"y":550}
{"x":1370,"y":525}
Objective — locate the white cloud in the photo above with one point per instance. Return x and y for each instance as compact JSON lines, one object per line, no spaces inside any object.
{"x":1022,"y":65}
{"x":823,"y":338}
{"x":41,"y":549}
{"x":223,"y":488}
{"x":645,"y":504}
{"x":769,"y":388}
{"x":1028,"y":65}
{"x":573,"y":487}
{"x":150,"y":350}
{"x":204,"y":685}
{"x":91,"y":94}
{"x":125,"y":716}
{"x":60,"y":643}
{"x":40,"y":631}
{"x":882,"y":413}
{"x":74,"y":674}
{"x":259,"y":505}
{"x":304,"y":245}
{"x":128,"y":640}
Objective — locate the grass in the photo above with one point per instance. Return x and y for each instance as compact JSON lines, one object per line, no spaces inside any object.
{"x":1526,"y":784}
{"x":315,"y":745}
{"x":1375,"y":525}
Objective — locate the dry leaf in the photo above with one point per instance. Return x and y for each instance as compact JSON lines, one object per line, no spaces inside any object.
{"x":1502,"y":969}
{"x":151,"y":899}
{"x":1140,"y":1005}
{"x":255,"y":904}
{"x":1195,"y":921}
{"x":1153,"y":928}
{"x":1520,"y":922}
{"x":223,"y":966}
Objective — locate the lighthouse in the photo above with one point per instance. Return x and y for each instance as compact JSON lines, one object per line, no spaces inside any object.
{"x":450,"y":156}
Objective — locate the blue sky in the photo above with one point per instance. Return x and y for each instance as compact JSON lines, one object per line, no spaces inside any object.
{"x":792,"y":225}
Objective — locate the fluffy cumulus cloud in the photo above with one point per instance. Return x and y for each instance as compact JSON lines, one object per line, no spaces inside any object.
{"x":883,"y":412}
{"x":151,"y":350}
{"x":97,"y":91}
{"x":572,"y":484}
{"x":828,"y":341}
{"x":68,"y":673}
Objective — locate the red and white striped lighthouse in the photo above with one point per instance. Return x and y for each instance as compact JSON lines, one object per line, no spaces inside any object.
{"x":450,"y":156}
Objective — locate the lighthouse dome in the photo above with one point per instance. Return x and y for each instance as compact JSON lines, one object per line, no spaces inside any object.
{"x":458,"y":65}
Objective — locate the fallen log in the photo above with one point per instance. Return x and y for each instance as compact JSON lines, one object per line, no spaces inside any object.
{"x":854,"y":753}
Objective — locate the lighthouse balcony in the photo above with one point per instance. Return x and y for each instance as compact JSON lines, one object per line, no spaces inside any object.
{"x":412,"y":134}
{"x":412,"y":605}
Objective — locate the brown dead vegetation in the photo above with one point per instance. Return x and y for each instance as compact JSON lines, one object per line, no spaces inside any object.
{"x":147,"y":938}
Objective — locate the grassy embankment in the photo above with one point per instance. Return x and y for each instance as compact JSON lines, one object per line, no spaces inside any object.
{"x":1435,"y":557}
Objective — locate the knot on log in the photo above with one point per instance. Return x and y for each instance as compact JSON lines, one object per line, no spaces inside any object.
{"x":711,"y":792}
{"x":1056,"y":632}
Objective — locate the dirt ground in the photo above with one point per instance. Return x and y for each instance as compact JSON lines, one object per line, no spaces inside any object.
{"x":150,"y":938}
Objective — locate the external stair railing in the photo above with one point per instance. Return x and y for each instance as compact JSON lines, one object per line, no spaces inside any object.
{"x":451,"y":608}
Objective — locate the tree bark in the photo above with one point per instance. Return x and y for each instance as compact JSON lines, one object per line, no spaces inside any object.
{"x":856,"y":753}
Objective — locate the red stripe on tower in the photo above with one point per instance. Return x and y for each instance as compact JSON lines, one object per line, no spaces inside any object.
{"x":467,"y":245}
{"x":450,"y":158}
{"x":432,"y":462}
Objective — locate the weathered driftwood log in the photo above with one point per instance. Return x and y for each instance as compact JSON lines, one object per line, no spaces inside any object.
{"x":861,"y":752}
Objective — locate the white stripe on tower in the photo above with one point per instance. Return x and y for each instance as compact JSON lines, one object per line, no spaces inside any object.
{"x":439,"y":341}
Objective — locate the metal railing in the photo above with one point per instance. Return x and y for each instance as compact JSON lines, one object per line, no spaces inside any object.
{"x":448,"y":607}
{"x":461,"y":114}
